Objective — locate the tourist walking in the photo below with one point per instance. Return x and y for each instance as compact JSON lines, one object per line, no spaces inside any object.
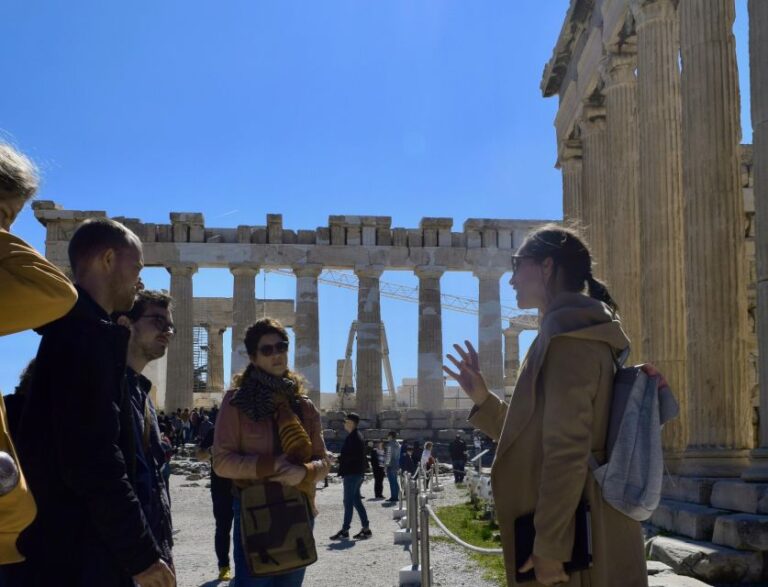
{"x":352,"y":465}
{"x":407,"y":461}
{"x":458,"y":451}
{"x":248,"y":446}
{"x":33,"y":292}
{"x":427,"y":461}
{"x":392,"y":462}
{"x":150,"y":322}
{"x":90,"y":528}
{"x":557,"y":416}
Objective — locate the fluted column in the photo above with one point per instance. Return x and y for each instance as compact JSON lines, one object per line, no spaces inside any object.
{"x":243,"y":312}
{"x":758,"y":49}
{"x":661,"y":204}
{"x":489,"y":328}
{"x":511,"y":355}
{"x":622,"y":215}
{"x":369,"y":391}
{"x":180,"y":377}
{"x":595,"y":182}
{"x":430,"y":369}
{"x":570,"y":163}
{"x":307,"y":327}
{"x":215,"y":359}
{"x":715,"y":265}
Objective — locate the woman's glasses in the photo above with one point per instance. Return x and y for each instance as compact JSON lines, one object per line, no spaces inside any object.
{"x":270,"y":349}
{"x":516,"y":260}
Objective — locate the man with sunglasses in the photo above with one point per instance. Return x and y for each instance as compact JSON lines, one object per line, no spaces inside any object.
{"x":151,"y":325}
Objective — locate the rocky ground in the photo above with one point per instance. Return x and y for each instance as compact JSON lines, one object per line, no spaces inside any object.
{"x":371,"y":563}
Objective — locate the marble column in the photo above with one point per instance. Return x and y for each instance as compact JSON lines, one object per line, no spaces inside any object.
{"x":215,"y":359}
{"x":595,"y":183}
{"x":180,"y":370}
{"x":430,"y":369}
{"x":307,"y":328}
{"x":758,"y":49}
{"x":622,"y":215}
{"x":661,"y":204}
{"x":570,"y":162}
{"x":511,"y":355}
{"x":369,"y":390}
{"x":489,"y":328}
{"x":715,"y":263}
{"x":243,"y":313}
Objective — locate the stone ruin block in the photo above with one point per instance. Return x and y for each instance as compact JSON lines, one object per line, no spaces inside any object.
{"x":180,"y":232}
{"x":383,"y":237}
{"x":411,"y":434}
{"x":289,"y":237}
{"x":430,"y":237}
{"x":389,"y":415}
{"x":197,"y":233}
{"x":354,"y":236}
{"x":400,"y":237}
{"x":274,"y":228}
{"x":442,"y":414}
{"x":306,"y":237}
{"x":338,"y":233}
{"x":416,"y":424}
{"x":415,"y":414}
{"x":149,"y":232}
{"x":259,"y":236}
{"x":490,"y":238}
{"x":742,"y":532}
{"x":688,"y":489}
{"x":244,"y":233}
{"x":390,"y":424}
{"x":415,"y":239}
{"x":442,"y":423}
{"x":369,"y":236}
{"x":505,"y":239}
{"x":693,"y":521}
{"x":164,"y":233}
{"x":323,"y":236}
{"x":751,"y":498}
{"x":375,"y":434}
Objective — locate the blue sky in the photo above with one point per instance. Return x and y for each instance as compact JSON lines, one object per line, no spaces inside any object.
{"x":238,"y":109}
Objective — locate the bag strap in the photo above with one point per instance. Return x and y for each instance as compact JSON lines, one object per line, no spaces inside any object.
{"x":621,"y":358}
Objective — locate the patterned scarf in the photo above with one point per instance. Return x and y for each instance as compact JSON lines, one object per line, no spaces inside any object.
{"x":258,"y":393}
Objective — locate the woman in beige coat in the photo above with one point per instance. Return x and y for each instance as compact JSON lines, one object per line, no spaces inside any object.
{"x":556,"y":417}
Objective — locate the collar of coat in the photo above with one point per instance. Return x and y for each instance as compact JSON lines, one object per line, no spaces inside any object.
{"x":573,"y":315}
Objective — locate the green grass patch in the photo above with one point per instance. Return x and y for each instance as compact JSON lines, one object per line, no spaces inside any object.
{"x":466,"y":522}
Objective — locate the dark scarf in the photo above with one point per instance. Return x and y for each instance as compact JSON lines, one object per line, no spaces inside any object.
{"x":258,"y":393}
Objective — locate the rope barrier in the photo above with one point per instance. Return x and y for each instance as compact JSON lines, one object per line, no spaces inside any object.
{"x":458,"y":540}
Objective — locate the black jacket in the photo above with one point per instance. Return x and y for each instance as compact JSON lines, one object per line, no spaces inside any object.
{"x":77,"y":446}
{"x":352,"y":459}
{"x":458,"y":449}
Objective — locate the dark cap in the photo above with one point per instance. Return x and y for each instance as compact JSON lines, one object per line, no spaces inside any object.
{"x":352,"y":416}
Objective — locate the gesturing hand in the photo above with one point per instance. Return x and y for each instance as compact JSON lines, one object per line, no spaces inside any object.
{"x":157,"y":575}
{"x":469,"y":376}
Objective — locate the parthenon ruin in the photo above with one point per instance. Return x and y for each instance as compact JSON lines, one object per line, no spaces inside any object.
{"x":366,"y":245}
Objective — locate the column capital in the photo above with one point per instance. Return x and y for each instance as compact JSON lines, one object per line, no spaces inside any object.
{"x":429,"y":271}
{"x":370,"y":271}
{"x":646,"y":11}
{"x":181,"y":269}
{"x":244,"y":269}
{"x":618,"y":68}
{"x":489,"y":272}
{"x":308,"y":270}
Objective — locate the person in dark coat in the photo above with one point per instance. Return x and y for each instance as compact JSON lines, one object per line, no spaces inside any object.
{"x":352,"y":465}
{"x":458,"y":450}
{"x":407,"y":461}
{"x":76,"y":436}
{"x":376,"y":455}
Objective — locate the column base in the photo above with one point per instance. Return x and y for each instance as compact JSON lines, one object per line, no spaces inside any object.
{"x":758,"y":466}
{"x":672,"y":461}
{"x":714,"y":462}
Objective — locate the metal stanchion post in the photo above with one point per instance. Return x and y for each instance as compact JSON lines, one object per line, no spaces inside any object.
{"x":426,"y":571}
{"x":413,"y":521}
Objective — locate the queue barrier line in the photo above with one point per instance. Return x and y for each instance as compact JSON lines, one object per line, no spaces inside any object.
{"x":457,"y":540}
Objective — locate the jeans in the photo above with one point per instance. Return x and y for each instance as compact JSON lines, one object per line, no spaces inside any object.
{"x":458,"y":470}
{"x":352,"y":499}
{"x":394,"y":486}
{"x":221,"y":496}
{"x":243,"y":578}
{"x":378,"y":482}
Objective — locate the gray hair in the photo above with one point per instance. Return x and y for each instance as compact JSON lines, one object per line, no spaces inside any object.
{"x":18,"y":175}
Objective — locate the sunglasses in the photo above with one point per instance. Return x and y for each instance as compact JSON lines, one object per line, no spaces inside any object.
{"x":270,"y":349}
{"x":517,"y":259}
{"x":160,"y":323}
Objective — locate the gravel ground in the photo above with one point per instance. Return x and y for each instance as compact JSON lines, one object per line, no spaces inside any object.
{"x":370,"y":563}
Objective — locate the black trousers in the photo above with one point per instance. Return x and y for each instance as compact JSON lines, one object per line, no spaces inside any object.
{"x":221,"y":496}
{"x":378,"y":482}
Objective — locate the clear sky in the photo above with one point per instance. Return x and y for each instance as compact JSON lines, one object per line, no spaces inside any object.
{"x":238,"y":109}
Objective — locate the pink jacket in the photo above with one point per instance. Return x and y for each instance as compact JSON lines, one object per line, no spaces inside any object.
{"x":243,"y":450}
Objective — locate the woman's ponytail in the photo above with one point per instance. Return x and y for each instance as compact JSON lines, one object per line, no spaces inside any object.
{"x":598,"y":291}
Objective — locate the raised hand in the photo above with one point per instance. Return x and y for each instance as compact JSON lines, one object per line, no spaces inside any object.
{"x":468,"y":373}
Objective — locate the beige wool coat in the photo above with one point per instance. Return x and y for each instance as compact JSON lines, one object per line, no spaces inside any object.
{"x":556,"y":416}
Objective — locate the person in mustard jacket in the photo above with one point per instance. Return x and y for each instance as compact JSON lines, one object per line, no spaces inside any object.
{"x":33,"y":292}
{"x":557,"y":416}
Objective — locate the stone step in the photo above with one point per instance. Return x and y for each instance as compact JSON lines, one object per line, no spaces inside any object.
{"x":671,"y":580}
{"x":690,"y":520}
{"x":740,"y":496}
{"x":689,"y":489}
{"x":742,"y":531}
{"x":706,"y":561}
